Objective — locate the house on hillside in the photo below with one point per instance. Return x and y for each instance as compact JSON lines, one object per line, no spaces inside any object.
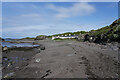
{"x":65,"y":37}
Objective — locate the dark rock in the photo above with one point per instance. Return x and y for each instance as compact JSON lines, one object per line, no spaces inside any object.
{"x":83,"y":58}
{"x":86,"y":37}
{"x":44,"y":75}
{"x":48,"y":71}
{"x":42,"y":47}
{"x":106,"y":34}
{"x":37,"y":50}
{"x":80,"y":62}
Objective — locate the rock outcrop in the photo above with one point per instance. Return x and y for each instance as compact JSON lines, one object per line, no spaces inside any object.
{"x":41,"y":37}
{"x":106,"y":34}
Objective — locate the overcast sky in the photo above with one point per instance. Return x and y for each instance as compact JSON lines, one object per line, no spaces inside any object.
{"x":22,"y":19}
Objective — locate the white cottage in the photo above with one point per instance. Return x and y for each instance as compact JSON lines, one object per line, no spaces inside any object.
{"x":64,"y":37}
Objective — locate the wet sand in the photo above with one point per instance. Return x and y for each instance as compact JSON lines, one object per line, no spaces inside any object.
{"x":64,"y":59}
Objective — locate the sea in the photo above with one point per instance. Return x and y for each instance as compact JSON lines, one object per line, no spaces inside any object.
{"x":8,"y":44}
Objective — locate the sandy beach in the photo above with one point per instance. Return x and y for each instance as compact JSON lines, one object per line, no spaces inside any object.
{"x":63,"y":59}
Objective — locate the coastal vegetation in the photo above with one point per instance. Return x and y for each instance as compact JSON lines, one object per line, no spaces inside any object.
{"x":71,"y":33}
{"x":105,"y":34}
{"x":65,"y":39}
{"x":108,"y":33}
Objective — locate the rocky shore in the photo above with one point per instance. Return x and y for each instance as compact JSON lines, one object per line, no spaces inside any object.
{"x":16,"y":58}
{"x":62,"y":59}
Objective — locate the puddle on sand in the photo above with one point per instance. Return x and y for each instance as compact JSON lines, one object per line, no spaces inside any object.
{"x":8,"y":44}
{"x":13,"y":60}
{"x":17,"y":59}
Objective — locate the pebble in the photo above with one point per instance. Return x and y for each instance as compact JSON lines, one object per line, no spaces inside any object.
{"x":5,"y":48}
{"x":17,"y":67}
{"x":5,"y":59}
{"x":117,"y":74}
{"x":80,"y":62}
{"x":37,"y":60}
{"x":36,"y":72}
{"x":9,"y":75}
{"x":9,"y":65}
{"x":42,"y":47}
{"x":48,"y":71}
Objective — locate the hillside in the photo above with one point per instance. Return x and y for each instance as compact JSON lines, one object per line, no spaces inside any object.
{"x":107,"y":34}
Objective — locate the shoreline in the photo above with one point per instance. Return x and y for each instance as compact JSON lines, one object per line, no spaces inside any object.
{"x":13,"y":61}
{"x":20,"y":41}
{"x":16,"y":44}
{"x":59,"y":57}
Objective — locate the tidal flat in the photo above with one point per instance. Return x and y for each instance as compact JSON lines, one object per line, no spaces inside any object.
{"x":61,"y":59}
